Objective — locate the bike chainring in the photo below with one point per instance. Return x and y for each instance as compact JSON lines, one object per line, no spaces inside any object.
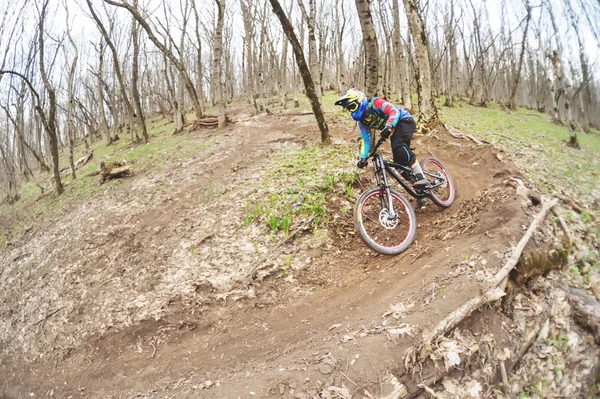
{"x":386,"y":221}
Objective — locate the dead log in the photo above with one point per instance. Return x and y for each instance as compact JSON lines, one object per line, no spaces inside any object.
{"x":203,"y":123}
{"x":564,"y":226}
{"x":586,"y":311}
{"x":84,"y":160}
{"x":113,"y":171}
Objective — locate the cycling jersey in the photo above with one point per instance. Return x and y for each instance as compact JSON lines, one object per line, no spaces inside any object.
{"x":378,"y":113}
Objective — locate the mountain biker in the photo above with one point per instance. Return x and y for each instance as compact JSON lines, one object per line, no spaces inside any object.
{"x":393,"y":121}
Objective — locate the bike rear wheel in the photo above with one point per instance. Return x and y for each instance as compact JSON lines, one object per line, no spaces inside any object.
{"x":443,"y":192}
{"x":389,"y":236}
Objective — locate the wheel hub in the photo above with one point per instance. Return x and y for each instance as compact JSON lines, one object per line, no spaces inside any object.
{"x":439,"y":179}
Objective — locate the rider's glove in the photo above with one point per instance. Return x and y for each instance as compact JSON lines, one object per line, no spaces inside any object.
{"x":387,"y":130}
{"x":362,"y":163}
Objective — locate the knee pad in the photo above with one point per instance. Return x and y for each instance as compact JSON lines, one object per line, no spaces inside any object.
{"x":403,"y":155}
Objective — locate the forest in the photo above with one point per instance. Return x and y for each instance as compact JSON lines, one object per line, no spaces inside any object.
{"x":182,"y":215}
{"x":84,"y":71}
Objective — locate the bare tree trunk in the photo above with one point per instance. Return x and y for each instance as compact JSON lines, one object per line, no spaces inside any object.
{"x":10,"y":181}
{"x":134,"y":77}
{"x":559,"y":84}
{"x":513,"y":94}
{"x":427,"y":110}
{"x":199,"y":69}
{"x":586,"y":95}
{"x":19,"y":131}
{"x":450,"y":32}
{"x":50,"y":122}
{"x":70,"y":99}
{"x":115,"y":56}
{"x":400,"y":63}
{"x":340,"y":63}
{"x":304,"y":71}
{"x":217,"y":67}
{"x":283,"y":85}
{"x":100,"y":95}
{"x":248,"y":12}
{"x":371,"y":47}
{"x":313,"y":59}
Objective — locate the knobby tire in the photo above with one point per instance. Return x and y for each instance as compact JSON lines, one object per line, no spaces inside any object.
{"x":385,"y":241}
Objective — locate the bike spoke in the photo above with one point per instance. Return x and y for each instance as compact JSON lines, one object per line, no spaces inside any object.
{"x":387,"y":232}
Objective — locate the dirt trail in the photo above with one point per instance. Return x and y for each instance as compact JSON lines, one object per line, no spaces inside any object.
{"x":138,"y":316}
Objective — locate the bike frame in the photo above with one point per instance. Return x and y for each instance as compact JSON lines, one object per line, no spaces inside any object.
{"x":382,"y":166}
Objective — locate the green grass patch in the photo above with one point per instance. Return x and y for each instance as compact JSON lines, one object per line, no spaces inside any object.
{"x":300,"y":187}
{"x":163,"y":150}
{"x":537,"y":146}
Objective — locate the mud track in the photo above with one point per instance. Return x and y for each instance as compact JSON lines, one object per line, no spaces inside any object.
{"x":112,"y":305}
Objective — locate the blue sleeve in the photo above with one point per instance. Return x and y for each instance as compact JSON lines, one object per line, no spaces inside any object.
{"x":365,"y":140}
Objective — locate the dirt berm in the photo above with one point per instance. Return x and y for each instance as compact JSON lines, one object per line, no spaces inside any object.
{"x":152,"y":290}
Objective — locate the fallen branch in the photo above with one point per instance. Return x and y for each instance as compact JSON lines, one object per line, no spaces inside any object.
{"x":530,"y":338}
{"x":563,"y":225}
{"x":504,"y":375}
{"x":429,"y":391}
{"x":502,"y":277}
{"x":493,"y":292}
{"x":576,"y":207}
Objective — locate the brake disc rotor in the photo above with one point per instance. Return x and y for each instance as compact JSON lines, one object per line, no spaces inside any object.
{"x":386,"y":221}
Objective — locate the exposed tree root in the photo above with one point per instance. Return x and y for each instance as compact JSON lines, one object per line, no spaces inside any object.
{"x":493,"y":292}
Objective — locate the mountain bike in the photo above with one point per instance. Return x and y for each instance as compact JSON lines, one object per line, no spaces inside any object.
{"x":384,"y":218}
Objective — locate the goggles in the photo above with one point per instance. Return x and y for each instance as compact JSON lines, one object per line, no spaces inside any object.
{"x":352,"y":107}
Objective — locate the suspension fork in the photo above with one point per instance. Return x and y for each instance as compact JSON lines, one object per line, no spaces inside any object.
{"x":380,"y":169}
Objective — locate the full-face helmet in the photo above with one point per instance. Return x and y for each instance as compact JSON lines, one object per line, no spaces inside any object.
{"x":355,"y":102}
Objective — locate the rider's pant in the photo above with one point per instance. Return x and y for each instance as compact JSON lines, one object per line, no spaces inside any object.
{"x":401,"y":141}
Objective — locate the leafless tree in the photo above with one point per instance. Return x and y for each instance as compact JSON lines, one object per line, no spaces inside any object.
{"x":517,"y":78}
{"x":176,"y":62}
{"x":427,"y":110}
{"x":370,"y":45}
{"x":217,"y":63}
{"x":304,"y":71}
{"x":71,"y":98}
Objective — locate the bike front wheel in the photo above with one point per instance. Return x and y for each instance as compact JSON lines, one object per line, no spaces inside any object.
{"x":443,"y":192}
{"x":382,"y":232}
